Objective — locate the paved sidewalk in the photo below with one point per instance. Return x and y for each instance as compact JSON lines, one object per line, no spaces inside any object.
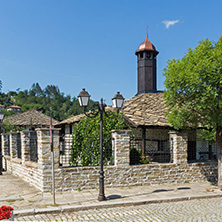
{"x":27,"y":200}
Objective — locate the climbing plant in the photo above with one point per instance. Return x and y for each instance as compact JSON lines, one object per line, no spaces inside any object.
{"x":85,"y":149}
{"x":7,"y":127}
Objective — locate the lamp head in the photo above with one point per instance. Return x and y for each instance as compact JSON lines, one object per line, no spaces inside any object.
{"x":118,"y":100}
{"x":83,"y":98}
{"x":2,"y":115}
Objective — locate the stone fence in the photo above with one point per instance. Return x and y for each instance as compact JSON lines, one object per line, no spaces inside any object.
{"x":120,"y":174}
{"x":36,"y":173}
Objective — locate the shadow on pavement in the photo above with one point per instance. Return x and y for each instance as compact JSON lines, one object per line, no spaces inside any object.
{"x":183,"y":188}
{"x":113,"y":197}
{"x":162,"y":190}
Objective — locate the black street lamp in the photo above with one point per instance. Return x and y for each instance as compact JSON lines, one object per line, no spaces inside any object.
{"x":117,"y":103}
{"x":1,"y":119}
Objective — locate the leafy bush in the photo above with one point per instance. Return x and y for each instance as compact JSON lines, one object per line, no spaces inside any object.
{"x":86,"y":142}
{"x":136,"y":157}
{"x":7,"y":127}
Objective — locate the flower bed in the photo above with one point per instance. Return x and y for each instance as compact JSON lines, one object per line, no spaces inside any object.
{"x":5,"y":212}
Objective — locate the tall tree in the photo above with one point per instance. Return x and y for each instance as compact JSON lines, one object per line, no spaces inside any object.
{"x":194,"y":91}
{"x":63,"y":106}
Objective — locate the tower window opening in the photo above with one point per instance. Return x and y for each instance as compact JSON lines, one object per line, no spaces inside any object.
{"x":141,"y":55}
{"x":147,"y":56}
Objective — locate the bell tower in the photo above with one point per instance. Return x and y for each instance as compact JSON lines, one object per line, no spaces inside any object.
{"x":146,"y":67}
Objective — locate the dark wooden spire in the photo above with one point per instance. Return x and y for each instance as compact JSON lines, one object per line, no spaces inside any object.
{"x":146,"y":67}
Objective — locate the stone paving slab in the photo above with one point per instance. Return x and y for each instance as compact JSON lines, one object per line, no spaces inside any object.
{"x":28,"y":200}
{"x":10,"y":198}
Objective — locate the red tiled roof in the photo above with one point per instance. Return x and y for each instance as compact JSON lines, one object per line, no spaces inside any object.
{"x":14,"y":106}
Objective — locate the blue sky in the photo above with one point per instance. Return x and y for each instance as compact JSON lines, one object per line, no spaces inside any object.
{"x":92,"y":44}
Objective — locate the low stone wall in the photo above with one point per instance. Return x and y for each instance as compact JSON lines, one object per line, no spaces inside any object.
{"x":120,"y":174}
{"x":28,"y":172}
{"x":38,"y":174}
{"x":149,"y":174}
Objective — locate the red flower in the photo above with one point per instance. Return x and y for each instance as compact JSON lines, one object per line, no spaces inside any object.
{"x":5,"y":212}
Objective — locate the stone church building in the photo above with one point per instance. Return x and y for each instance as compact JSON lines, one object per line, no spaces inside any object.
{"x":153,"y":154}
{"x":145,"y":112}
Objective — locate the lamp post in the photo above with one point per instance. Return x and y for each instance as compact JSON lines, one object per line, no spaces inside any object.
{"x":1,"y":119}
{"x":117,"y":103}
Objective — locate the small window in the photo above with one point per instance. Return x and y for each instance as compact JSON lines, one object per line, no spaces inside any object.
{"x":161,"y":144}
{"x":148,"y":56}
{"x":70,"y":129}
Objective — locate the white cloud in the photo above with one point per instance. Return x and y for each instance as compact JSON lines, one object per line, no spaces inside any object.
{"x":168,"y":23}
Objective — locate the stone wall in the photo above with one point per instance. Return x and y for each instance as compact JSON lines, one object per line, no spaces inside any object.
{"x":120,"y":174}
{"x":149,"y":174}
{"x":36,"y":173}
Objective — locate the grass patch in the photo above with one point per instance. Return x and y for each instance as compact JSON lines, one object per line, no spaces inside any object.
{"x":54,"y":205}
{"x":31,"y":201}
{"x":79,"y":189}
{"x":12,"y":201}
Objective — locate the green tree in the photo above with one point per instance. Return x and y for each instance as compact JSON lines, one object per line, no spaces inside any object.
{"x":7,"y":127}
{"x":194,"y":92}
{"x":86,"y":142}
{"x":63,"y":105}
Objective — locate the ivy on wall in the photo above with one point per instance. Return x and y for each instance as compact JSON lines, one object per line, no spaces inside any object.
{"x":85,"y":149}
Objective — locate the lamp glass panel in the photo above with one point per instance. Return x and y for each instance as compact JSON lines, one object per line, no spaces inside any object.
{"x":83,"y":101}
{"x":117,"y":103}
{"x":1,"y":116}
{"x":114,"y":103}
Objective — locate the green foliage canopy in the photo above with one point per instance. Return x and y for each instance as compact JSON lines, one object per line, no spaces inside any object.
{"x":194,"y":88}
{"x":86,"y":141}
{"x":63,"y":106}
{"x":7,"y":127}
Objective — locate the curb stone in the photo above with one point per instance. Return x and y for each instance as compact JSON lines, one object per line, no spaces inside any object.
{"x":28,"y":212}
{"x":48,"y":210}
{"x":10,"y":198}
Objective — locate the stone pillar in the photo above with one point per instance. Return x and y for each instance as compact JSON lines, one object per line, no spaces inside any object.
{"x":121,"y":143}
{"x":56,"y":146}
{"x":5,"y":144}
{"x":44,"y":148}
{"x":45,"y":155}
{"x":25,"y":146}
{"x":178,"y":142}
{"x":13,"y":144}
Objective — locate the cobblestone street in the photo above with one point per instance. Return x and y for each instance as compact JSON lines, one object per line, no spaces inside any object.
{"x":193,"y":210}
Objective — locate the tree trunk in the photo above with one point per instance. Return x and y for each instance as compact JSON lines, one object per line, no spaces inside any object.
{"x":219,"y":145}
